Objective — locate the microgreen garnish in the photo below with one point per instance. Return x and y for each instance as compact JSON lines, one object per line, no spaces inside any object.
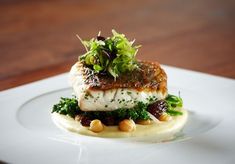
{"x":115,"y":54}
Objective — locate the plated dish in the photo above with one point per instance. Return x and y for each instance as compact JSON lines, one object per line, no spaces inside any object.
{"x":116,"y":95}
{"x":28,"y":134}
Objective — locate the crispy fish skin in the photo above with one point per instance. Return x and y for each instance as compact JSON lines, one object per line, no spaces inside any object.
{"x":97,"y":92}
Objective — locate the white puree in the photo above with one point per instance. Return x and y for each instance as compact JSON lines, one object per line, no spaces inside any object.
{"x":156,"y":128}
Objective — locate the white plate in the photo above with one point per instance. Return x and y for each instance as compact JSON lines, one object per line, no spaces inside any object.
{"x":27,"y":134}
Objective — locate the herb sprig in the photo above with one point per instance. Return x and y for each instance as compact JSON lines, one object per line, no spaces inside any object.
{"x":113,"y":55}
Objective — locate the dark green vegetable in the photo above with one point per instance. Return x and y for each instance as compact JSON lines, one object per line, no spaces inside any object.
{"x":138,"y":112}
{"x":173,"y":112}
{"x":67,"y":106}
{"x":173,"y":102}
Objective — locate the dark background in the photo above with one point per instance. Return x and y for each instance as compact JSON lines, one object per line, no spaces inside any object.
{"x":37,"y":38}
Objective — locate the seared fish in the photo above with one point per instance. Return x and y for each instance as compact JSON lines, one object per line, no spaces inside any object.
{"x":97,"y":92}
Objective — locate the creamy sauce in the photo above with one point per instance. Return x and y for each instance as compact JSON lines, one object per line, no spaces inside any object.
{"x":155,"y":129}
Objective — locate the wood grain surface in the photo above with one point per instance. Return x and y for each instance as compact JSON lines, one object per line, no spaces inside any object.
{"x":37,"y":38}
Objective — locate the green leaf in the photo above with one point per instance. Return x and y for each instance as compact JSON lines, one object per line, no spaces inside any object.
{"x":174,"y":112}
{"x":67,"y":106}
{"x":115,"y":54}
{"x":97,"y":68}
{"x":173,"y":102}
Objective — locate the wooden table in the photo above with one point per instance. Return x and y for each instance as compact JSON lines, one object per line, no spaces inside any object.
{"x":37,"y":39}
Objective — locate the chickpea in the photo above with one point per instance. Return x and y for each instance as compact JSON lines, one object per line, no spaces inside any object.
{"x":165,"y":117}
{"x":77,"y":118}
{"x":127,"y":125}
{"x":144,"y":122}
{"x":96,"y":126}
